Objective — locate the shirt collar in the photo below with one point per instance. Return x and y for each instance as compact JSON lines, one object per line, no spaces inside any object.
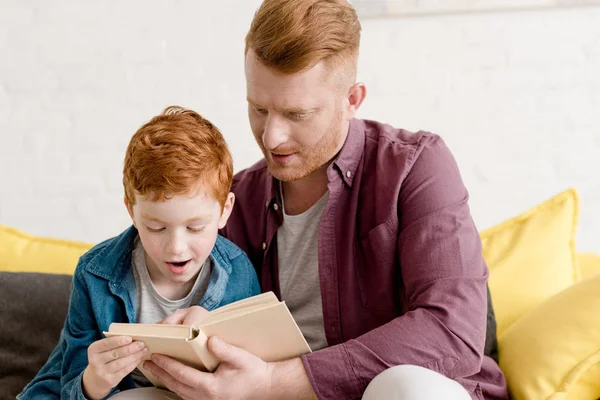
{"x":351,"y":153}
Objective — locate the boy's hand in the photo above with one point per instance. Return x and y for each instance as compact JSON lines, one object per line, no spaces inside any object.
{"x":186,"y":316}
{"x":109,"y":361}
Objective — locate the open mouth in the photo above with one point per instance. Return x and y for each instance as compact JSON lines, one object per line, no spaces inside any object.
{"x":178,"y":267}
{"x":179,"y":264}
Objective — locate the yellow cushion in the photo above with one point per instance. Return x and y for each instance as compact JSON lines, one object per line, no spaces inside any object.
{"x":20,"y":252}
{"x":531,"y":257}
{"x":553,"y":353}
{"x":588,"y":264}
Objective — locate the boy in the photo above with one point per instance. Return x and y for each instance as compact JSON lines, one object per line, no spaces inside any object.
{"x":177,"y":176}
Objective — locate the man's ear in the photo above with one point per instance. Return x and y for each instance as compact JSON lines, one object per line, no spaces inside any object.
{"x":129,"y":210}
{"x":356,"y":95}
{"x":227,"y":209}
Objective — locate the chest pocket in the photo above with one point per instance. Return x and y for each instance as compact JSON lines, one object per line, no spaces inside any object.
{"x":378,"y":272}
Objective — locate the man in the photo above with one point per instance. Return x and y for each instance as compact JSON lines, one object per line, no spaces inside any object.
{"x":364,"y":230}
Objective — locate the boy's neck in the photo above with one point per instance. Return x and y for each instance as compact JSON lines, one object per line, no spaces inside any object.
{"x":172,"y":291}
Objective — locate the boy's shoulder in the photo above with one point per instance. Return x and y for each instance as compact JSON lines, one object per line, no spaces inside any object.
{"x":108,"y":254}
{"x":227,"y":249}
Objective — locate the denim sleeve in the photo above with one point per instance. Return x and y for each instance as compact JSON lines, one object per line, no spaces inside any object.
{"x":61,"y":376}
{"x":79,"y":333}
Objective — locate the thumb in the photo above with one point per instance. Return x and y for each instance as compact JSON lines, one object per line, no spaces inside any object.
{"x":228,"y":353}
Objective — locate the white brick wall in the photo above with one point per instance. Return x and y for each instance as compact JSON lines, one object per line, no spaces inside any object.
{"x":515,"y":94}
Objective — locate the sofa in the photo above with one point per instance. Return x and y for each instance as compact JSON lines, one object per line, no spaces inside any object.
{"x":545,"y":294}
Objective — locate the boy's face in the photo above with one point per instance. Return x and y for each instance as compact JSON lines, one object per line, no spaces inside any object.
{"x":178,"y":234}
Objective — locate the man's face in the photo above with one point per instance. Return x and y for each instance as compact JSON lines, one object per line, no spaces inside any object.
{"x":297,"y":119}
{"x":178,"y":234}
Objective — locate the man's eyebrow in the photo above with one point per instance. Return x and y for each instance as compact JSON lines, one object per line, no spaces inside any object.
{"x":252,"y":102}
{"x":299,"y":110}
{"x":292,"y":110}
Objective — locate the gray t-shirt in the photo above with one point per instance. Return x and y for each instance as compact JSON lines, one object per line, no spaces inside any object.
{"x":298,"y":255}
{"x":151,"y":306}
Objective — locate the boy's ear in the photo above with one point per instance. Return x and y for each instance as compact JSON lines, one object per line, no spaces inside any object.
{"x":129,"y":210}
{"x":227,"y":209}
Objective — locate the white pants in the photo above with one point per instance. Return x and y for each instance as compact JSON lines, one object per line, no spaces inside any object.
{"x":409,"y":382}
{"x":404,"y":382}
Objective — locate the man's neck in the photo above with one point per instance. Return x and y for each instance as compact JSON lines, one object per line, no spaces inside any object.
{"x":300,"y":195}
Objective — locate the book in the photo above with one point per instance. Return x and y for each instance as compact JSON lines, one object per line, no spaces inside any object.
{"x":261,"y":325}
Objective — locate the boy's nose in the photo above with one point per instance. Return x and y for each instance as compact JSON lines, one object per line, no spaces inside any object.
{"x":175,"y":246}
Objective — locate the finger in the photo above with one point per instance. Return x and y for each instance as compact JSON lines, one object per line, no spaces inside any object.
{"x":169,"y":380}
{"x":176,"y":318}
{"x":107,"y":344}
{"x":126,"y":370}
{"x":125,"y":362}
{"x":228,"y":353}
{"x":195,"y":316}
{"x":120,"y":352}
{"x":180,"y":373}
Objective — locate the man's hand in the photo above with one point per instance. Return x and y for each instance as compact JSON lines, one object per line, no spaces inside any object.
{"x":186,"y":316}
{"x":240,"y":375}
{"x":109,"y":361}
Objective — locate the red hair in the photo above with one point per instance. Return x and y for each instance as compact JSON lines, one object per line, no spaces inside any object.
{"x":173,"y":153}
{"x":292,"y":35}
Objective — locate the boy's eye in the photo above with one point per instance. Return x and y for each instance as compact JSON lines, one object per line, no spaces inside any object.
{"x":195,"y":230}
{"x":155,"y":230}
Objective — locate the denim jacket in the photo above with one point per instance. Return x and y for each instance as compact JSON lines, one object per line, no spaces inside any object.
{"x":104,"y":291}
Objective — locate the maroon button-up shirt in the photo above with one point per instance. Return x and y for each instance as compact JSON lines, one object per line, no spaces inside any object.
{"x":402,"y":276}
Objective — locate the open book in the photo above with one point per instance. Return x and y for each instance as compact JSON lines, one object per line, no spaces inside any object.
{"x":262,"y":325}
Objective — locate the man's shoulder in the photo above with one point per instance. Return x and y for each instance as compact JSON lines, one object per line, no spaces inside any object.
{"x":381,"y":134}
{"x":253,"y":174}
{"x":391,"y":147}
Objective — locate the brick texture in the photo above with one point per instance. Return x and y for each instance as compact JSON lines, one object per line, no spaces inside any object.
{"x":516,"y":95}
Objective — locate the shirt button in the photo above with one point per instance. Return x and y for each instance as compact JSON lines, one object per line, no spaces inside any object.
{"x":275,"y":207}
{"x":264,"y":246}
{"x":333,"y":328}
{"x":348,"y":174}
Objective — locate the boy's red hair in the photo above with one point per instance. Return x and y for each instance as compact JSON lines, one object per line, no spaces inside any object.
{"x":173,"y":153}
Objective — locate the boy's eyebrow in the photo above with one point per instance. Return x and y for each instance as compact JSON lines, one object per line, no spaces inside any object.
{"x":201,"y":218}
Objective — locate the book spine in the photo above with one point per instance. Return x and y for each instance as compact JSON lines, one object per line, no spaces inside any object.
{"x":200,"y":346}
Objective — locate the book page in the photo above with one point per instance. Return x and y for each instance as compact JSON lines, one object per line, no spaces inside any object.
{"x":264,"y":298}
{"x":150,"y":330}
{"x":267,"y":332}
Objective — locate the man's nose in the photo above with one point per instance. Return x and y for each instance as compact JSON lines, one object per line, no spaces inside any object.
{"x":275,"y":132}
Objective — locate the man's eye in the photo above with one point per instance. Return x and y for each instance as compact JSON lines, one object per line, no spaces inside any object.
{"x":195,"y":230}
{"x":298,"y":116}
{"x":155,"y":230}
{"x":260,"y":110}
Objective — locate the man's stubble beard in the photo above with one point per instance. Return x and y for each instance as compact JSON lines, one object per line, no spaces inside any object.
{"x":312,"y":158}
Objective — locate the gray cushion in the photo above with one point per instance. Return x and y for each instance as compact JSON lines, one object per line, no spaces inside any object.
{"x":491,"y":342}
{"x":33,"y":309}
